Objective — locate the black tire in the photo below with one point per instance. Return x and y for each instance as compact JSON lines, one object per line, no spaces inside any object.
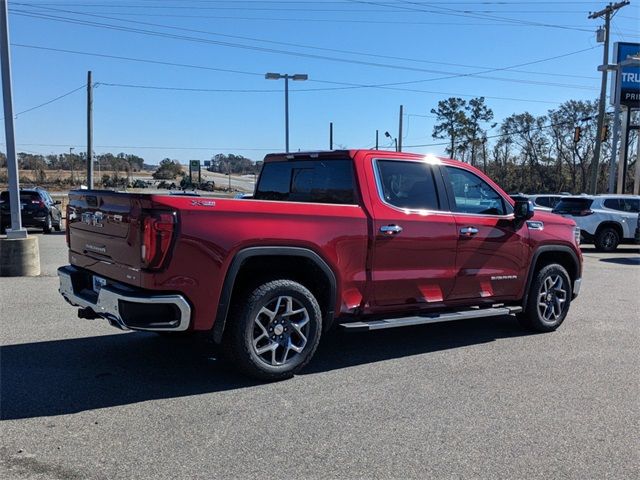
{"x":58,"y":226}
{"x":247,"y":326}
{"x":48,"y":225}
{"x":607,"y":239}
{"x":536,"y":315}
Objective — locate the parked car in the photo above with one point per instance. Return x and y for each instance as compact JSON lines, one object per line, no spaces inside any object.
{"x":361,"y":240}
{"x":604,"y":220}
{"x":545,"y":202}
{"x":37,"y":210}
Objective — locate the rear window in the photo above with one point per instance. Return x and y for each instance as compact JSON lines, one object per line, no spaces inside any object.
{"x":24,"y":196}
{"x":315,"y":181}
{"x":570,"y":205}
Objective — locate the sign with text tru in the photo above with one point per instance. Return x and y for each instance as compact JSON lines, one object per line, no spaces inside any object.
{"x":630,"y":75}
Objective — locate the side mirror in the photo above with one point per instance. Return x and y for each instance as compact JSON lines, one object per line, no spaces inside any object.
{"x":523,"y":208}
{"x":57,"y":202}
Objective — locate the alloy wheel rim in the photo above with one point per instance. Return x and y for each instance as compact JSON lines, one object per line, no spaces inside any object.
{"x":552,"y":298}
{"x":609,"y":239}
{"x":280,"y":331}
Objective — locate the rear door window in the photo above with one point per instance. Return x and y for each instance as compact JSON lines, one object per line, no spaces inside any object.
{"x":315,"y":181}
{"x":408,"y":184}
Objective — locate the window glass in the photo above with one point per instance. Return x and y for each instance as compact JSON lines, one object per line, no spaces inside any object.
{"x":572,"y":205}
{"x":613,"y":204}
{"x":474,"y":195}
{"x":317,"y":181}
{"x":543,"y":201}
{"x":408,"y":184}
{"x":553,"y":201}
{"x":623,"y":204}
{"x":632,"y":205}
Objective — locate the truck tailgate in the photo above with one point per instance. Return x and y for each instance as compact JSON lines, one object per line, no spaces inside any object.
{"x":104,"y":232}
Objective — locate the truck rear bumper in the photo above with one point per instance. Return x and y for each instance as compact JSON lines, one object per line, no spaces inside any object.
{"x":125,"y":307}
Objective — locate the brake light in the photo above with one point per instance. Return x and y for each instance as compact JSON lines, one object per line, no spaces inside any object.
{"x":157,"y":233}
{"x":40,"y":203}
{"x":584,"y":213}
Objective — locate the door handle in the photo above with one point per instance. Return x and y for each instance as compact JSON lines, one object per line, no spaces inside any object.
{"x":390,"y":229}
{"x":468,"y":231}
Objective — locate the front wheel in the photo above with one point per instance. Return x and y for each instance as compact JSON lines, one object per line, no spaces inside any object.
{"x":273,"y":330}
{"x":549,"y":299}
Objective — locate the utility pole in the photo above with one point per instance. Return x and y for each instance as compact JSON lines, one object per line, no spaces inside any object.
{"x":330,"y":135}
{"x":399,"y":149}
{"x":377,"y":142}
{"x":606,"y":13}
{"x":89,"y":131}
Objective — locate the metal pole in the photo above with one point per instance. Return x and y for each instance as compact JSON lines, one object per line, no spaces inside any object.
{"x":593,"y":181}
{"x":606,"y":12}
{"x":377,"y":143}
{"x":615,"y":134}
{"x":16,"y":230}
{"x":623,"y":149}
{"x":399,"y":149}
{"x":636,"y":180}
{"x":89,"y":131}
{"x":625,"y":157}
{"x":330,"y":135}
{"x":286,"y":112}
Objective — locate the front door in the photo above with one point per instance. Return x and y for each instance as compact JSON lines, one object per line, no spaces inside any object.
{"x":414,"y":240}
{"x":491,"y":246}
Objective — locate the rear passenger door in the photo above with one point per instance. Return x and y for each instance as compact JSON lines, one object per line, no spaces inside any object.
{"x":414,"y":240}
{"x":626,"y":212}
{"x":491,"y":247}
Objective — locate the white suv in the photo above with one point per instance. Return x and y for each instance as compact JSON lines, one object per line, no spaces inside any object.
{"x":546,"y":202}
{"x":605,"y":220}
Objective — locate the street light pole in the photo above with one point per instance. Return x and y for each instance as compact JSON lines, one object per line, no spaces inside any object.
{"x":16,"y":230}
{"x":286,"y":77}
{"x":71,"y":149}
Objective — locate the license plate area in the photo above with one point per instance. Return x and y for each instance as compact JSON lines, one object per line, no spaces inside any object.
{"x":98,"y":283}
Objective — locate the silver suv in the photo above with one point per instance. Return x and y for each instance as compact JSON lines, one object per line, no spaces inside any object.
{"x":605,"y":220}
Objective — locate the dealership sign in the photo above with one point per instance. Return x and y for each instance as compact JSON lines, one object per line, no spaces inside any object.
{"x":629,"y":75}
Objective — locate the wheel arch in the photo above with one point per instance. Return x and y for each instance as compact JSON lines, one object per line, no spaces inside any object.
{"x":248,"y":267}
{"x":547,"y":254}
{"x":617,"y":226}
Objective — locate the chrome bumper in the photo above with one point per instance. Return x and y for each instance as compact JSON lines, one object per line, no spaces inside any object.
{"x":576,"y":287}
{"x":107,"y":304}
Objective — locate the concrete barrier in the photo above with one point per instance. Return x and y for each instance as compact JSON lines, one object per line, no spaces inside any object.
{"x":19,"y":257}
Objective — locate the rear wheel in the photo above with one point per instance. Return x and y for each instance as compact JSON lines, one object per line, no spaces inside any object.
{"x":273,"y":330}
{"x":607,"y":239}
{"x":549,"y":299}
{"x":48,"y":225}
{"x":58,"y":226}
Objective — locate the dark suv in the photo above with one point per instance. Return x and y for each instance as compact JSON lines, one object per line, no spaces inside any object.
{"x":37,"y":210}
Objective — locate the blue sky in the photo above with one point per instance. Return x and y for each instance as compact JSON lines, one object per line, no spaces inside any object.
{"x":342,"y":45}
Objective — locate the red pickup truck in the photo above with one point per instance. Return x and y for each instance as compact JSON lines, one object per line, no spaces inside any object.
{"x":359,"y":239}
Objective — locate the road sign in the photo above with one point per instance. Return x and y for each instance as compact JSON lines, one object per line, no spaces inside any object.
{"x":630,"y":75}
{"x":207,"y":163}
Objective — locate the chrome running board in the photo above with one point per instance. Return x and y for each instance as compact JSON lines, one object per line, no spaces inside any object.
{"x":429,"y":318}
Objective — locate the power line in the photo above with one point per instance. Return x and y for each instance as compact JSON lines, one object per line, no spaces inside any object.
{"x":49,"y":101}
{"x":291,"y":53}
{"x":344,"y":85}
{"x":460,"y":13}
{"x":333,"y":50}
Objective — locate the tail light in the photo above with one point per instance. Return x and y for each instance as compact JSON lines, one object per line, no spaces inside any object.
{"x":157,"y":233}
{"x":40,"y":203}
{"x":584,"y":213}
{"x":70,"y":216}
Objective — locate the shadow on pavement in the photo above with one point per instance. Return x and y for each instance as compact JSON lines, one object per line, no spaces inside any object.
{"x":622,"y":250}
{"x":622,"y":260}
{"x":73,"y":375}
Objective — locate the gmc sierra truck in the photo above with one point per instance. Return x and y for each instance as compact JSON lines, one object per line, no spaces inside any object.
{"x":360,"y":240}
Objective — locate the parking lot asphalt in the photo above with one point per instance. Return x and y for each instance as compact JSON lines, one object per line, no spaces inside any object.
{"x":471,"y":399}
